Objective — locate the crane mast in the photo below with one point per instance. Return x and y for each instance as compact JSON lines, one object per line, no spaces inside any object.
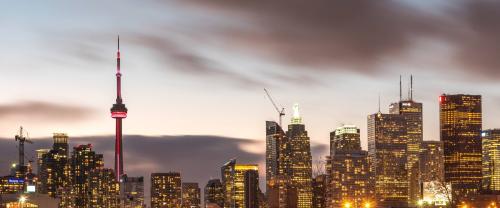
{"x":281,"y":112}
{"x":22,"y":139}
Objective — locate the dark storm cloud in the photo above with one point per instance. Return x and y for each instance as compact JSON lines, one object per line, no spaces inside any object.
{"x":45,"y":111}
{"x":361,"y":34}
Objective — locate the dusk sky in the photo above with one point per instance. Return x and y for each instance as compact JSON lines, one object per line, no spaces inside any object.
{"x":199,"y":68}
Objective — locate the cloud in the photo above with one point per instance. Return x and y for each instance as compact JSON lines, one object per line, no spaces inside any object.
{"x":361,"y":35}
{"x":45,"y":111}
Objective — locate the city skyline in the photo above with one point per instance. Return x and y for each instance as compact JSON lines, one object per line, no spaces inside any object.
{"x":198,"y":78}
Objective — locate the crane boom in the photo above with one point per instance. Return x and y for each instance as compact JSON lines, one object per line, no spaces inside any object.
{"x":281,"y":112}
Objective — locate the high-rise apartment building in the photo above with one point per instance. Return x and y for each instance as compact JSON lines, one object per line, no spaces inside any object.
{"x":278,"y":167}
{"x":349,"y":173}
{"x":132,"y":192}
{"x":84,"y":161}
{"x":491,"y":161}
{"x":460,"y":126}
{"x":214,"y":194}
{"x":300,"y":160}
{"x":387,"y":151}
{"x":191,"y":195}
{"x":103,"y":189}
{"x":166,"y":190}
{"x":52,"y":175}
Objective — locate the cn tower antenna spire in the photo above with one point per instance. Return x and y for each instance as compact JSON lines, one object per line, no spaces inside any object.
{"x":118,"y":112}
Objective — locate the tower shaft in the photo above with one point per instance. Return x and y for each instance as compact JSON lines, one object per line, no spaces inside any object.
{"x":118,"y":112}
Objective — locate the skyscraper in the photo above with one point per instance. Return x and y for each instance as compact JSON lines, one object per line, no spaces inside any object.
{"x":84,"y":161}
{"x":238,"y":181}
{"x":412,"y":112}
{"x":214,"y":194}
{"x":460,"y":125}
{"x":166,"y":190}
{"x":132,"y":192}
{"x":432,"y":161}
{"x":300,"y":160}
{"x":39,"y":164}
{"x":278,"y":170}
{"x":52,"y":175}
{"x":191,"y":195}
{"x":349,"y":174}
{"x":387,"y":151}
{"x":491,"y":161}
{"x":118,"y":112}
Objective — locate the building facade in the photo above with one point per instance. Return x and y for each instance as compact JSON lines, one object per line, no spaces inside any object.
{"x":214,"y":194}
{"x":320,"y":185}
{"x":238,"y":190}
{"x":104,"y":190}
{"x":132,"y":192}
{"x":491,"y":161}
{"x":52,"y":174}
{"x":349,"y":170}
{"x":300,"y":160}
{"x":191,"y":195}
{"x":460,"y":126}
{"x":387,"y":151}
{"x":432,"y":161}
{"x":412,"y":112}
{"x":166,"y":190}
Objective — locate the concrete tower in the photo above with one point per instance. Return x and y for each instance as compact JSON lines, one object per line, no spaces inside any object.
{"x":118,"y":112}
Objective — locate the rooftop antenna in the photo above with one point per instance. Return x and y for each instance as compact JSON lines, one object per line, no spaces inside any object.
{"x":379,"y":102}
{"x":400,"y":89}
{"x":411,"y":87}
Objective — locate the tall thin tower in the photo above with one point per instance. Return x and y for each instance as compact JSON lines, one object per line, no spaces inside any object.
{"x":118,"y":112}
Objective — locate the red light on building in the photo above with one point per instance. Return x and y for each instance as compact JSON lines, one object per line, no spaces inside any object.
{"x":442,"y":99}
{"x":119,"y":114}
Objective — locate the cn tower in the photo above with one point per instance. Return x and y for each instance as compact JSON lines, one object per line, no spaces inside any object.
{"x":118,"y":112}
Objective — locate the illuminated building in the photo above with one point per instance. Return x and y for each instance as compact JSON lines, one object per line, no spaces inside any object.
{"x":11,"y":185}
{"x":460,"y":125}
{"x":52,"y":175}
{"x":345,"y":138}
{"x":251,"y":184}
{"x":166,"y":190}
{"x":239,"y":184}
{"x":118,"y":112}
{"x":320,"y":185}
{"x":191,"y":195}
{"x":132,"y":192}
{"x":103,"y":189}
{"x":349,"y":171}
{"x":39,"y":164}
{"x":300,"y":160}
{"x":432,"y":161}
{"x":387,"y":152}
{"x":278,"y":169}
{"x":491,"y":161}
{"x":214,"y":194}
{"x":412,"y":112}
{"x":83,"y":162}
{"x":280,"y":193}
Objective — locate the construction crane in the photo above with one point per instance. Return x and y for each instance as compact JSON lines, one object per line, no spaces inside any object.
{"x":22,"y":139}
{"x":280,"y":112}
